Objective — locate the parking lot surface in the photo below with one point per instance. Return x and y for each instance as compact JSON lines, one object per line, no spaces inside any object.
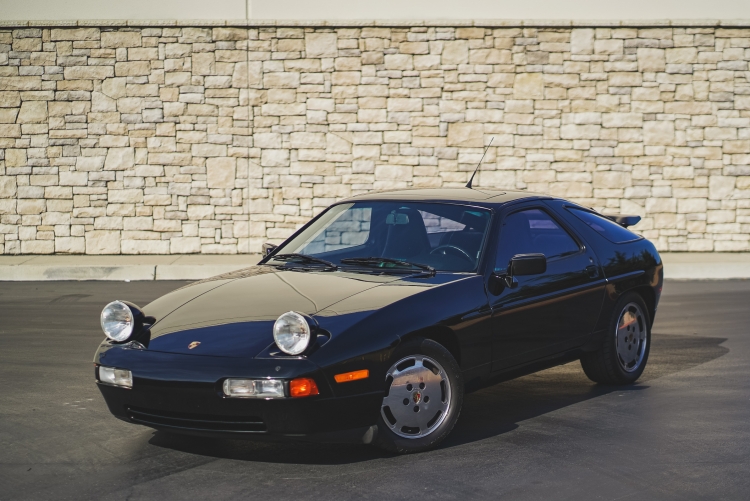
{"x":680,"y":433}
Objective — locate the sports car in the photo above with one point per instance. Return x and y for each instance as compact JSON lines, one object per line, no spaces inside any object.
{"x":373,"y":320}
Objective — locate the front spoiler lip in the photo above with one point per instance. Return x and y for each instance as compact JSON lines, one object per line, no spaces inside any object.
{"x":358,"y":435}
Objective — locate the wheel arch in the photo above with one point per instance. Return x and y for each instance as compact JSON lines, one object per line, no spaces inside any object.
{"x":649,"y":297}
{"x":442,"y":335}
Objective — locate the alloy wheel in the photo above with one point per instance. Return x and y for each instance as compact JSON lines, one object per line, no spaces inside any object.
{"x":418,"y":396}
{"x":630,"y":337}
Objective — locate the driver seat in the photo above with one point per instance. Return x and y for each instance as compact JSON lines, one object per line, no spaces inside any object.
{"x":404,"y":241}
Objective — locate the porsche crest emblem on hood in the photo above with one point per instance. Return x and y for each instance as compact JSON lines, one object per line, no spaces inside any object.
{"x":194,"y":344}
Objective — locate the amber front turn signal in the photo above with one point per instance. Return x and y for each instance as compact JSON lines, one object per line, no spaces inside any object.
{"x":302,"y":387}
{"x":351,"y":376}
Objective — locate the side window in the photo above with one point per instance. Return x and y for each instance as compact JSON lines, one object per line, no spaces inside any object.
{"x":605,"y":227}
{"x":532,"y":231}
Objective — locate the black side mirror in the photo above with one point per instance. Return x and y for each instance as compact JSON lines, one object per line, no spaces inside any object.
{"x":268,"y":248}
{"x":520,"y":265}
{"x":527,"y":264}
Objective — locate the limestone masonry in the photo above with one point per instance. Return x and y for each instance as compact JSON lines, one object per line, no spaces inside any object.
{"x":161,"y":140}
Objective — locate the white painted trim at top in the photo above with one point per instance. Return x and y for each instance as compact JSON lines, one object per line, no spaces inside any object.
{"x":396,"y":23}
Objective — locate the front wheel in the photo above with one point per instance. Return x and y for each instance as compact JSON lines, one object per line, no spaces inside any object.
{"x":624,"y":351}
{"x":424,"y":394}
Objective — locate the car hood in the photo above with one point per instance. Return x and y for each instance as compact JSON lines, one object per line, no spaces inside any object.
{"x":233,"y":314}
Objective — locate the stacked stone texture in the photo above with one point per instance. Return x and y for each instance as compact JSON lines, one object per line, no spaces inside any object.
{"x":213,"y":140}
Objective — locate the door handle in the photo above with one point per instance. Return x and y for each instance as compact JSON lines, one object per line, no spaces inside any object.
{"x":592,"y":271}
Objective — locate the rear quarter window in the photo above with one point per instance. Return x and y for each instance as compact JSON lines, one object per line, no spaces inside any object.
{"x":605,"y":227}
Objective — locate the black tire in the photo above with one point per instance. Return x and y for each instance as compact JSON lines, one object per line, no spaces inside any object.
{"x":389,"y":436}
{"x":607,"y":365}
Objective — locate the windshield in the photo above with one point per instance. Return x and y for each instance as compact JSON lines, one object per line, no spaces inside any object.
{"x":445,"y":237}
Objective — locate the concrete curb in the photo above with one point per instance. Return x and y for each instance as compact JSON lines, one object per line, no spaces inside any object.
{"x":677,"y":266}
{"x":120,"y":268}
{"x":706,"y":265}
{"x":24,"y":273}
{"x":707,"y":271}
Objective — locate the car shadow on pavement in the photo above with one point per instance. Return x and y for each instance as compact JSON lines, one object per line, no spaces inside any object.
{"x":497,"y":409}
{"x":486,"y":413}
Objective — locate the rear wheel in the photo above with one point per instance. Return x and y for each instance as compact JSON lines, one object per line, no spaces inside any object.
{"x":424,"y":394}
{"x":622,"y":357}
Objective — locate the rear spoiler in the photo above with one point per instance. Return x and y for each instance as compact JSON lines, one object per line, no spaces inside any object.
{"x":623,"y":219}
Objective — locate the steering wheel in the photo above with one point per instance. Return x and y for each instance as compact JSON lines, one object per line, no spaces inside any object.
{"x":457,"y":251}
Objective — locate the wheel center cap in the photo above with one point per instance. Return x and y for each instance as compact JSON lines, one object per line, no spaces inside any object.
{"x":416,"y":396}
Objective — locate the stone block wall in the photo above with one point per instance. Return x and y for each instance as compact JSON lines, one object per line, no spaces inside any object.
{"x":166,"y":139}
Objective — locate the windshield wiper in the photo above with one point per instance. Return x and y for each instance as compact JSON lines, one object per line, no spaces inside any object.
{"x":381,"y":261}
{"x":304,"y":259}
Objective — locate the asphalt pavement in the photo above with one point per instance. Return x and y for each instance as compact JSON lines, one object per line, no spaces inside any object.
{"x":680,"y":433}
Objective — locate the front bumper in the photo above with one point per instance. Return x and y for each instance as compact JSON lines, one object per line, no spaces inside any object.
{"x":183,"y":394}
{"x":197,"y":410}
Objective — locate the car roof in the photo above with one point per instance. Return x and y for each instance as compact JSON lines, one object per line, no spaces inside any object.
{"x":464,"y":195}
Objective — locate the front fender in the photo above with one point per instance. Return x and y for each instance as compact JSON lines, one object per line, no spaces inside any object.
{"x":365,"y":339}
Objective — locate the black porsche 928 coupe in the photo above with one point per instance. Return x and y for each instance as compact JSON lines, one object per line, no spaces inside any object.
{"x":372,"y":321}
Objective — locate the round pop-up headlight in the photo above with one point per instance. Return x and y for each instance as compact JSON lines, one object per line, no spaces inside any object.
{"x":291,"y":333}
{"x":117,"y":321}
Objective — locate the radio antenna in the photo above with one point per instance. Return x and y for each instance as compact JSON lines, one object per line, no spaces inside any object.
{"x":468,"y":185}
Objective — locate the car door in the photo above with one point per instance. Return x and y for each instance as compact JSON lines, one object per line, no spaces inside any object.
{"x":548,"y":313}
